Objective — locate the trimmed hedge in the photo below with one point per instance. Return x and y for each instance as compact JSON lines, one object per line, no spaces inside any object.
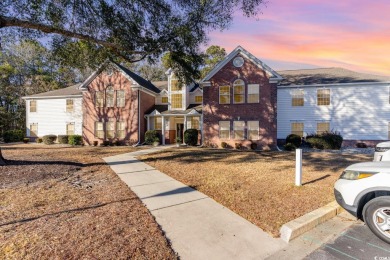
{"x":63,"y":139}
{"x":191,"y":137}
{"x":39,"y":140}
{"x":75,"y":140}
{"x":13,"y":136}
{"x":294,"y":139}
{"x":49,"y":139}
{"x":327,"y":140}
{"x":151,"y":136}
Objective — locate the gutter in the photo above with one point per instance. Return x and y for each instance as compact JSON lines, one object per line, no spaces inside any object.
{"x":139,"y":120}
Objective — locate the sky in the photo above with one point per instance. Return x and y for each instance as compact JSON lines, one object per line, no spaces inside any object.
{"x":295,"y":34}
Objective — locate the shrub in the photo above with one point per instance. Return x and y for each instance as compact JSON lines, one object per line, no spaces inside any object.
{"x":39,"y":140}
{"x":327,"y":140}
{"x":290,"y":147}
{"x":26,"y":140}
{"x":106,"y":143}
{"x":253,"y":146}
{"x":151,"y":136}
{"x":75,"y":140}
{"x":224,"y":145}
{"x":118,"y":143}
{"x":238,"y":146}
{"x":13,"y":136}
{"x":294,"y":139}
{"x":191,"y":137}
{"x":95,"y":143}
{"x":317,"y":142}
{"x":63,"y":139}
{"x":361,"y":145}
{"x":49,"y":139}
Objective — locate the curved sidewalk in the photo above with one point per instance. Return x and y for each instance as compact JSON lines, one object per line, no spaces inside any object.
{"x":197,"y":226}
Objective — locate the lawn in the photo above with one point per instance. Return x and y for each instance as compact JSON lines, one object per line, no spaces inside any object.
{"x":66,"y":203}
{"x":259,"y":186}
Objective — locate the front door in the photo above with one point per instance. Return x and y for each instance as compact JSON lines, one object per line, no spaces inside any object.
{"x":179,"y":131}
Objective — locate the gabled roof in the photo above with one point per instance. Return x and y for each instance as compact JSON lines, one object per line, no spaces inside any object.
{"x":239,"y":50}
{"x":126,"y":72}
{"x":161,"y":85}
{"x":194,"y":87}
{"x":163,"y":110}
{"x":63,"y":92}
{"x":323,"y":76}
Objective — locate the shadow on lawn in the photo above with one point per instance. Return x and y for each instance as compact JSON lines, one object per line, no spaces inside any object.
{"x":77,"y":164}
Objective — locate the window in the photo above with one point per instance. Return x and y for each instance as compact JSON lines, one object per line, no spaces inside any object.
{"x":33,"y":106}
{"x":297,"y":128}
{"x":198,"y":99}
{"x":175,"y":85}
{"x":120,"y":98}
{"x":224,"y":95}
{"x":69,"y":105}
{"x":224,"y":129}
{"x":238,"y":91}
{"x":120,"y":129}
{"x":253,"y":130}
{"x":238,"y":130}
{"x":99,"y":99}
{"x":176,"y":101}
{"x":70,"y":129}
{"x":164,"y":100}
{"x":195,"y":122}
{"x":110,"y":129}
{"x":322,"y":127}
{"x":157,"y":123}
{"x":34,"y":130}
{"x":99,"y":132}
{"x":109,"y":96}
{"x":297,"y":98}
{"x":253,"y":93}
{"x":323,"y":97}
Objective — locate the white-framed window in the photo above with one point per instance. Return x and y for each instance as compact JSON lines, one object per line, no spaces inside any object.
{"x":34,"y":130}
{"x":164,"y":100}
{"x":297,"y":128}
{"x":176,"y":100}
{"x":224,"y":129}
{"x":238,"y":92}
{"x":33,"y":106}
{"x":99,"y":99}
{"x":224,"y":95}
{"x":198,"y":99}
{"x":69,"y":105}
{"x":253,"y":130}
{"x":120,"y":98}
{"x":239,"y":130}
{"x":99,"y":131}
{"x":297,"y":98}
{"x":157,"y":123}
{"x":70,"y":128}
{"x":120,"y":129}
{"x":175,"y":85}
{"x":323,"y":127}
{"x":323,"y":97}
{"x":110,"y":129}
{"x":253,"y":93}
{"x":195,"y":122}
{"x":109,"y":96}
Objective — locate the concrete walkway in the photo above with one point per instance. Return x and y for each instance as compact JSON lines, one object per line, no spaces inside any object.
{"x":197,"y":226}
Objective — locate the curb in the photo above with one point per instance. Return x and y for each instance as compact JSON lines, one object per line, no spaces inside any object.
{"x":300,"y":225}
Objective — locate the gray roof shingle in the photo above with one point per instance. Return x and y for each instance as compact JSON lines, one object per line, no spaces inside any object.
{"x":69,"y":91}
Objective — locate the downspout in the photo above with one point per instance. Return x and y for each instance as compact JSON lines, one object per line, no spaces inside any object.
{"x":139,"y":120}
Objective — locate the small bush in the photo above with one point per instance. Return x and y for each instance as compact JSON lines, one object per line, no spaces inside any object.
{"x":317,"y":142}
{"x":238,"y":146}
{"x":253,"y":146}
{"x":63,"y":139}
{"x":75,"y":140}
{"x":118,"y":143}
{"x":290,"y":147}
{"x":361,"y":145}
{"x":327,"y":140}
{"x":95,"y":143}
{"x":39,"y":140}
{"x":191,"y":137}
{"x":26,"y":140}
{"x":106,"y":143}
{"x":294,"y":139}
{"x":49,"y":139}
{"x":151,"y":136}
{"x":13,"y":136}
{"x":224,"y":145}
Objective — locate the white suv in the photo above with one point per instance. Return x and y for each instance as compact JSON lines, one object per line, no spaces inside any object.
{"x":380,"y":150}
{"x":364,"y":191}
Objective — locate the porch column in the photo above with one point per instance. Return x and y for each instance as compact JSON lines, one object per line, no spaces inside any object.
{"x":185,"y":126}
{"x":163,"y":130}
{"x":148,"y":122}
{"x":201,"y":128}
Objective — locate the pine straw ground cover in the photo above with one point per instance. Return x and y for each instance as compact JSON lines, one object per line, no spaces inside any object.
{"x":259,"y":186}
{"x":66,"y":203}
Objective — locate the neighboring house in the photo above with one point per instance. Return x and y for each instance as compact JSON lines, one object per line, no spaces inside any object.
{"x":55,"y":112}
{"x":242,"y":100}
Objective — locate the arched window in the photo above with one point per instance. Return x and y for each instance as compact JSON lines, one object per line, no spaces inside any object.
{"x":238,"y":91}
{"x":109,"y":96}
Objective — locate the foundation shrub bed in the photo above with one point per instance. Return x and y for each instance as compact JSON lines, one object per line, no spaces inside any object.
{"x":326,"y":140}
{"x":294,"y":139}
{"x":49,"y":139}
{"x":191,"y":137}
{"x":75,"y":140}
{"x":151,"y":137}
{"x":63,"y":139}
{"x":290,"y":147}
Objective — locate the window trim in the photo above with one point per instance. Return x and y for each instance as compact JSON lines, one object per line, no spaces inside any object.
{"x":243,"y":94}
{"x":67,"y":105}
{"x":96,"y":130}
{"x":110,"y":89}
{"x":294,"y":97}
{"x":35,"y":132}
{"x":67,"y":130}
{"x":106,"y":130}
{"x":258,"y":93}
{"x":219,"y":130}
{"x":36,"y":106}
{"x":164,"y":98}
{"x":173,"y":101}
{"x":318,"y":89}
{"x":322,"y":122}
{"x":198,"y":97}
{"x":156,"y":123}
{"x":229,"y":95}
{"x":243,"y":129}
{"x":297,"y":122}
{"x":117,"y":98}
{"x":258,"y":130}
{"x":102,"y":98}
{"x":117,"y":130}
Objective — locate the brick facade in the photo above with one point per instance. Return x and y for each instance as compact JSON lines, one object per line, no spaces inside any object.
{"x":264,"y":111}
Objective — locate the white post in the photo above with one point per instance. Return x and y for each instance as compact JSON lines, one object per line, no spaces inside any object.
{"x":298,"y":167}
{"x":148,"y":122}
{"x":163,"y":130}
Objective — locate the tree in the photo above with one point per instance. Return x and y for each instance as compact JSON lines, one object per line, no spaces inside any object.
{"x":133,"y":30}
{"x":212,"y":56}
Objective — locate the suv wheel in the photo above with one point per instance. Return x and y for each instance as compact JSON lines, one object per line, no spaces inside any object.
{"x":376,"y":215}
